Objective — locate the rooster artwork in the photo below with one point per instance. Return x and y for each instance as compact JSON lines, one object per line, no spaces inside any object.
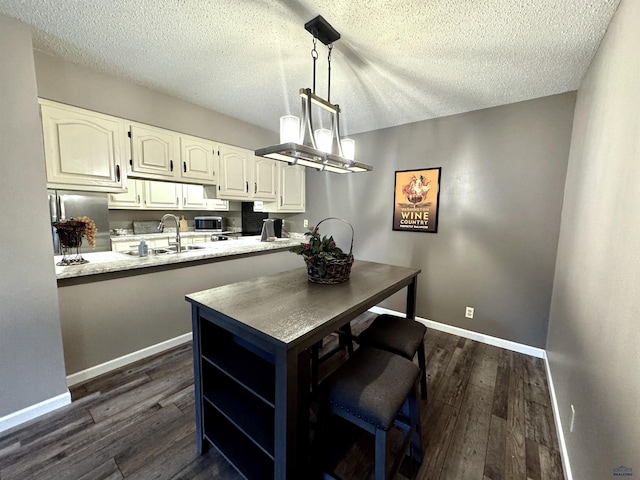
{"x":416,"y":190}
{"x":416,"y":200}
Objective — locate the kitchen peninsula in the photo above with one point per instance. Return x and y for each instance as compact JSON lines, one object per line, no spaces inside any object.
{"x":108,"y":262}
{"x":119,"y":308}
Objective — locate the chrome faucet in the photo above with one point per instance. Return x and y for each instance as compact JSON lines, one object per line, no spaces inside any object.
{"x":177,"y":243}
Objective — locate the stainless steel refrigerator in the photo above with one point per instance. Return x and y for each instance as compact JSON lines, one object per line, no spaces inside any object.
{"x":65,"y":204}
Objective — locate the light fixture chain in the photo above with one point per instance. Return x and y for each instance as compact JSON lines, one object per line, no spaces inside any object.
{"x":314,"y":55}
{"x":330,"y":47}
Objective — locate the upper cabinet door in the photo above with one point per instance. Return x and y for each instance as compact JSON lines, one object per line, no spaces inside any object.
{"x":154,"y":151}
{"x":265,"y":177}
{"x":162,"y":195}
{"x":193,"y":197}
{"x":291,"y":190}
{"x":132,"y":199}
{"x":197,"y":156}
{"x":84,"y":150}
{"x":234,"y":175}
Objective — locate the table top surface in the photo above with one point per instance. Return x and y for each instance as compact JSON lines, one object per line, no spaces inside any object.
{"x":287,"y":308}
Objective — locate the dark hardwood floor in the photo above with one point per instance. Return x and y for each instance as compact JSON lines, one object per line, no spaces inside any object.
{"x":488,"y":417}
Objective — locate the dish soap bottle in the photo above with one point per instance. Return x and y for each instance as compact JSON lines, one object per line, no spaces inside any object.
{"x":143,"y":248}
{"x":183,"y":224}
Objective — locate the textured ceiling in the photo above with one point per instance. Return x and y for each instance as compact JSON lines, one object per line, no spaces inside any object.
{"x":397,"y":62}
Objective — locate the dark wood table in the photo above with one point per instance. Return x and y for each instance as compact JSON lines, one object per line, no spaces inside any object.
{"x":251,"y":346}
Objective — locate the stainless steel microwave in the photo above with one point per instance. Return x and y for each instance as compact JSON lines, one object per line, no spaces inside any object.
{"x":211,"y":224}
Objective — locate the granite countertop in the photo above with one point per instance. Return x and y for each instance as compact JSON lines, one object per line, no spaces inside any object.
{"x":106,"y":262}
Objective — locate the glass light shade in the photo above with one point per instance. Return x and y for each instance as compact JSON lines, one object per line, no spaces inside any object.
{"x":289,"y":129}
{"x":323,"y":140}
{"x":348,"y":148}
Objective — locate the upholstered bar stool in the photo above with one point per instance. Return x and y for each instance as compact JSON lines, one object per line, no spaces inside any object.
{"x":401,"y":336}
{"x":374,"y":390}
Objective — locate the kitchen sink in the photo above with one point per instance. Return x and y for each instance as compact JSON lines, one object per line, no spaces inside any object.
{"x":166,"y":250}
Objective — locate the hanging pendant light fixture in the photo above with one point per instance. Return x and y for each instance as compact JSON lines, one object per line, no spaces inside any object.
{"x":300,"y":144}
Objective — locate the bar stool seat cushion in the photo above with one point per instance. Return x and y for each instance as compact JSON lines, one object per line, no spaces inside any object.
{"x":398,"y":335}
{"x":372,"y":386}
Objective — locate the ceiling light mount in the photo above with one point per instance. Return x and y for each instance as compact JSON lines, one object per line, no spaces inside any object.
{"x":322,"y":30}
{"x":300,"y":144}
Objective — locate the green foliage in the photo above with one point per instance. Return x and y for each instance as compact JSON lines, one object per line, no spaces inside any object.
{"x":318,"y":250}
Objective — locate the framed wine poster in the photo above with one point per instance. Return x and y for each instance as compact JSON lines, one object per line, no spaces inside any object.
{"x":416,"y":198}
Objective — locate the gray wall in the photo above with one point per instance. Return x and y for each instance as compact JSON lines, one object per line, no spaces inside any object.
{"x":31,"y":361}
{"x":593,"y":330}
{"x":79,"y":86}
{"x":502,"y":182}
{"x":107,"y":319}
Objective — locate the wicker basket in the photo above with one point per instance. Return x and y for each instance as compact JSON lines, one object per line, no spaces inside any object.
{"x":336,"y":270}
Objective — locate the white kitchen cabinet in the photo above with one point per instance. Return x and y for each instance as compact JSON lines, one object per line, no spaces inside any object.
{"x":193,"y":197}
{"x":162,"y":195}
{"x":197,"y":157}
{"x":154,"y":152}
{"x":153,"y":195}
{"x":133,"y":198}
{"x":243,"y":176}
{"x":216,"y":205}
{"x":265,"y":179}
{"x":234,"y":174}
{"x":84,"y":150}
{"x":291,"y":190}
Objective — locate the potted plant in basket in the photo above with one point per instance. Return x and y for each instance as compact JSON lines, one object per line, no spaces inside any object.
{"x":326,"y":262}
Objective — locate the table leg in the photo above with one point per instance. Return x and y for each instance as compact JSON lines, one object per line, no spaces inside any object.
{"x":292,"y":414}
{"x":412,"y":291}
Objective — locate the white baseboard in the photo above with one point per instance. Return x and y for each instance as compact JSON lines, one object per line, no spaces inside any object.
{"x":509,"y":345}
{"x":119,"y":362}
{"x":33,"y":411}
{"x":478,"y":337}
{"x":566,"y":467}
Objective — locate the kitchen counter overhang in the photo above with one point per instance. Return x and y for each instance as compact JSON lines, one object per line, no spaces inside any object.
{"x":118,"y":263}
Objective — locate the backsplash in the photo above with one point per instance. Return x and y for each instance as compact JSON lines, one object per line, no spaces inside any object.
{"x":124,"y":218}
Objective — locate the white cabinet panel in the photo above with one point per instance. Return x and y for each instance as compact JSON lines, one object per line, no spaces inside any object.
{"x":162,"y":195}
{"x":265,"y":179}
{"x":193,"y":197}
{"x":233,"y":172}
{"x":132,"y":199}
{"x":291,"y":190}
{"x":84,"y":150}
{"x":198,"y":159}
{"x":154,"y":151}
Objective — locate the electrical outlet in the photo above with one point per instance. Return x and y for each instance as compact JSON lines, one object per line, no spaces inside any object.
{"x":573,"y":418}
{"x":469,"y":312}
{"x":305,"y":223}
